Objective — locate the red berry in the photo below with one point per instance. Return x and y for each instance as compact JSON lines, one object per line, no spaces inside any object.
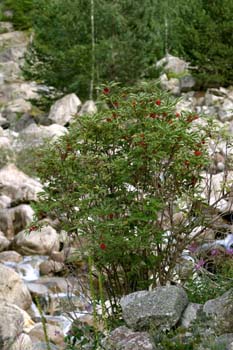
{"x":103,"y":246}
{"x":106,"y":91}
{"x":158,"y":102}
{"x":197,"y":153}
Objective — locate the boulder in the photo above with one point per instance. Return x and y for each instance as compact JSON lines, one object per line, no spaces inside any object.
{"x":187,"y":82}
{"x":172,"y":85}
{"x":123,"y":338}
{"x":42,"y":345}
{"x":10,"y":71}
{"x":11,"y":324}
{"x":59,"y":284}
{"x":35,"y":135}
{"x":225,"y":112}
{"x":4,"y":242}
{"x":190,"y":314}
{"x":51,"y":267}
{"x":13,"y":39}
{"x":23,"y":341}
{"x":63,"y":110}
{"x":37,"y":290}
{"x":21,"y":90}
{"x":12,"y":288}
{"x":10,"y":255}
{"x":15,"y":108}
{"x":5,"y":201}
{"x":54,"y":332}
{"x":15,"y":219}
{"x":41,"y":242}
{"x":172,"y":64}
{"x":17,"y":185}
{"x":89,"y":107}
{"x":6,"y":27}
{"x":219,"y":182}
{"x":220,"y":312}
{"x":160,"y":308}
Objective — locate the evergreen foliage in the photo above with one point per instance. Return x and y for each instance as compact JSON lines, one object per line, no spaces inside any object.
{"x":128,"y":38}
{"x":22,"y":12}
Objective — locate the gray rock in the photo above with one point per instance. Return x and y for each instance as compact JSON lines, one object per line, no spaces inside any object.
{"x":172,"y":64}
{"x":5,"y":202}
{"x":44,"y":346}
{"x":10,"y":255}
{"x":123,"y":338}
{"x":6,"y":27}
{"x":11,"y":324}
{"x":12,"y":288}
{"x":225,"y":340}
{"x":225,"y":112}
{"x":17,"y":185}
{"x":172,"y":85}
{"x":89,"y":107}
{"x":15,"y":108}
{"x":10,"y":71}
{"x":13,"y":53}
{"x":12,"y":39}
{"x":220,"y":311}
{"x":40,"y":242}
{"x":35,"y":135}
{"x":15,"y":219}
{"x":23,"y":341}
{"x":63,"y":110}
{"x":54,"y":332}
{"x":160,"y":308}
{"x":190,"y":314}
{"x":4,"y":242}
{"x":49,"y":267}
{"x":187,"y":83}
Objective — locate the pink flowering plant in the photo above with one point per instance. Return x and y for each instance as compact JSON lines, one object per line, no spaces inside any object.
{"x":116,"y":179}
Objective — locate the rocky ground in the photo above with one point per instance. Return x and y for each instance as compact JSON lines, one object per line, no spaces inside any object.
{"x":33,"y":266}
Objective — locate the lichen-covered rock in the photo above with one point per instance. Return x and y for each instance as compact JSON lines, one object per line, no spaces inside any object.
{"x":160,"y":308}
{"x":123,"y":338}
{"x":220,"y":312}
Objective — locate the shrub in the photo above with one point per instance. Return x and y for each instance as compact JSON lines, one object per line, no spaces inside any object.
{"x":117,"y":179}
